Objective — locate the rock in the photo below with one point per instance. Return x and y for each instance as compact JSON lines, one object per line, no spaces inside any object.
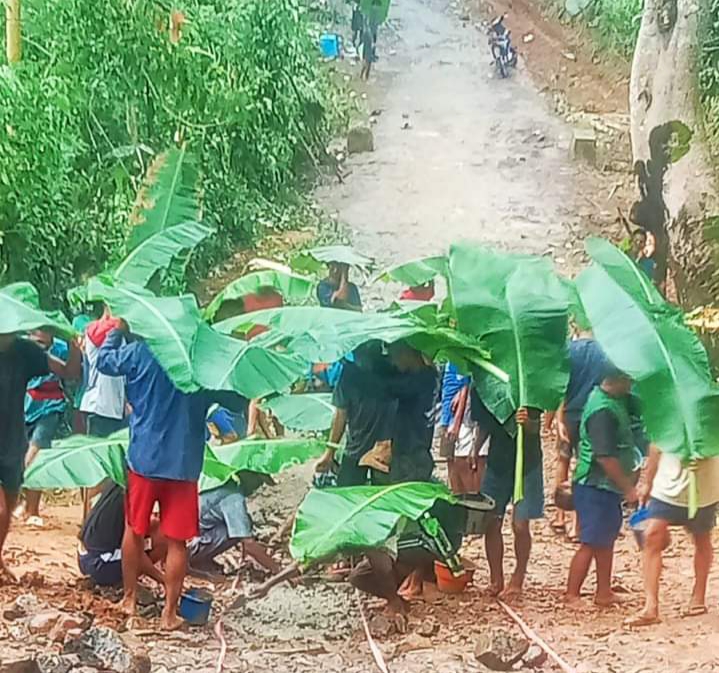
{"x":57,"y":663}
{"x":360,"y":139}
{"x":103,"y":648}
{"x":499,"y":650}
{"x":380,"y":626}
{"x":584,"y":145}
{"x":428,"y":628}
{"x":535,"y":657}
{"x":27,"y":604}
{"x":43,"y":622}
{"x":24,"y":666}
{"x":71,"y":625}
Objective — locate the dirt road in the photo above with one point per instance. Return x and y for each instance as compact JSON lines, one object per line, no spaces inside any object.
{"x":483,"y":158}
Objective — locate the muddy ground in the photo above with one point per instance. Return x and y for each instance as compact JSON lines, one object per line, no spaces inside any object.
{"x":459,"y":155}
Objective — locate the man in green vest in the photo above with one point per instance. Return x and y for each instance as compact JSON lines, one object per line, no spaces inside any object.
{"x":602,"y":479}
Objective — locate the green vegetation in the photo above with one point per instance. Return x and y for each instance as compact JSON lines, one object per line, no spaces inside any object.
{"x":103,"y":87}
{"x":615,"y":22}
{"x":708,"y":69}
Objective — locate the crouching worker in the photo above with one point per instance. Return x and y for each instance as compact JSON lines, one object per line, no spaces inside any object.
{"x":225,"y":523}
{"x":398,"y":571}
{"x":603,"y":478}
{"x":100,"y":550}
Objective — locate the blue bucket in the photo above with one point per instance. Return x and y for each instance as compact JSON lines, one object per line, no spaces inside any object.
{"x":638,"y":523}
{"x":195,"y":606}
{"x":330,"y":45}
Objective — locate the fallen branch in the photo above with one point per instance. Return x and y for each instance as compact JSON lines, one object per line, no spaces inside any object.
{"x":220,"y":631}
{"x":374,"y":648}
{"x":533,"y":636}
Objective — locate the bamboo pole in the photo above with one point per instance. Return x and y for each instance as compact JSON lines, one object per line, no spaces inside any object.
{"x":12,"y":30}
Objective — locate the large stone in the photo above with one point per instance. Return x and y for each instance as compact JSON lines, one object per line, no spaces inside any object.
{"x":72,"y":625}
{"x":584,"y":145}
{"x":360,"y":139}
{"x":43,"y":622}
{"x":103,"y":648}
{"x":499,"y":650}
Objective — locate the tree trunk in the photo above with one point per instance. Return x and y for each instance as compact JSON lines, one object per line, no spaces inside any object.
{"x":12,"y":31}
{"x":663,"y":89}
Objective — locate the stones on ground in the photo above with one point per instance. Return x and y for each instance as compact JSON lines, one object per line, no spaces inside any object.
{"x":101,"y":647}
{"x":428,"y":627}
{"x":360,"y":139}
{"x":584,"y":145}
{"x":499,"y":650}
{"x":380,"y":626}
{"x":67,"y":626}
{"x":535,"y":657}
{"x":43,"y":622}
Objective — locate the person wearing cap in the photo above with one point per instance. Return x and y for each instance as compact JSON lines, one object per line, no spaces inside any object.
{"x":603,"y":479}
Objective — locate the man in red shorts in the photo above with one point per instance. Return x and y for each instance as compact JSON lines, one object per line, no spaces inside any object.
{"x":167,"y":444}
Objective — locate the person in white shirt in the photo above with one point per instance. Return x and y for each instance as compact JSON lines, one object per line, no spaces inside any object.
{"x":666,"y":494}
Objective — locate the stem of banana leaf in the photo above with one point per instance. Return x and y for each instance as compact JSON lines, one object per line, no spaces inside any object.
{"x":693,"y":490}
{"x":519,"y":466}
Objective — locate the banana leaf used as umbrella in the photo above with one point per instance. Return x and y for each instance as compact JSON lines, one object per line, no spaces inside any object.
{"x":20,"y":312}
{"x":307,"y":412}
{"x":417,"y":272}
{"x":355,"y":518}
{"x":378,"y":10}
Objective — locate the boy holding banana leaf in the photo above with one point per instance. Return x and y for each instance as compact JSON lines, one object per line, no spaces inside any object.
{"x":604,"y":477}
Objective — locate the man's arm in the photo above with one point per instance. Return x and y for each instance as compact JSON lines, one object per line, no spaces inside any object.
{"x":115,"y":358}
{"x":613,"y":470}
{"x":71,"y":368}
{"x":603,"y":430}
{"x":339,"y":423}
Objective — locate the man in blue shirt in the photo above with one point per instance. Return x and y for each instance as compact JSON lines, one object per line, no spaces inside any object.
{"x":167,"y":445}
{"x":336,"y":291}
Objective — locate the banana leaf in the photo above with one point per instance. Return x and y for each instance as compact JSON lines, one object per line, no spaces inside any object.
{"x":165,"y":219}
{"x":331,"y":521}
{"x":417,"y":272}
{"x":307,"y":412}
{"x":192,"y":353}
{"x":651,"y":343}
{"x":295,"y":289}
{"x":379,"y":7}
{"x":80,"y":461}
{"x":20,"y":312}
{"x":312,"y":261}
{"x":269,"y":457}
{"x":318,"y":334}
{"x":520,"y":309}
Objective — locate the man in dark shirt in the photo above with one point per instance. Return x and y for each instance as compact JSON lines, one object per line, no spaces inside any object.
{"x":336,"y":291}
{"x":498,"y":484}
{"x":586,"y":366}
{"x":20,"y":361}
{"x":603,"y":478}
{"x":364,"y":411}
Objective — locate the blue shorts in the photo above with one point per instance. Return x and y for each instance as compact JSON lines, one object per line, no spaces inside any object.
{"x":103,"y":573}
{"x":600,"y":515}
{"x":41,"y":432}
{"x":674,"y":515}
{"x":500,"y":487}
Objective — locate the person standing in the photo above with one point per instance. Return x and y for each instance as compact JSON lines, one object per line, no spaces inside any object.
{"x":498,"y":484}
{"x":165,"y":456}
{"x":666,"y":494}
{"x":21,"y":360}
{"x":336,"y":291}
{"x":45,"y":407}
{"x":602,"y":480}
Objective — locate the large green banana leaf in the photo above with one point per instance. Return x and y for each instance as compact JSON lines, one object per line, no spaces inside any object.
{"x":192,"y":353}
{"x":313,"y":260}
{"x":295,"y":289}
{"x":339,"y":520}
{"x":319,"y":334}
{"x":379,"y":7}
{"x":649,"y":341}
{"x":417,"y":272}
{"x":308,"y":412}
{"x":79,"y":461}
{"x":165,"y":220}
{"x":20,"y":312}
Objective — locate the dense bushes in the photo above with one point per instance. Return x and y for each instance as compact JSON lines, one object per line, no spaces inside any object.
{"x":615,"y":23}
{"x":708,"y":68}
{"x":105,"y":84}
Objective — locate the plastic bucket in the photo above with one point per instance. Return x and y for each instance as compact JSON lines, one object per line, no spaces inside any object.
{"x":449,"y":584}
{"x":195,"y":606}
{"x":638,"y":523}
{"x":330,"y":45}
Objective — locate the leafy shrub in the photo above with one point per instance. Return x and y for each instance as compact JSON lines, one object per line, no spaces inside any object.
{"x":104,"y":85}
{"x":708,"y":69}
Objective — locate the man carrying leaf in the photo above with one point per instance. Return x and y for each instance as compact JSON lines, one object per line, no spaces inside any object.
{"x":20,"y":361}
{"x":165,"y":455}
{"x":603,"y":478}
{"x":498,"y":484}
{"x":666,"y":494}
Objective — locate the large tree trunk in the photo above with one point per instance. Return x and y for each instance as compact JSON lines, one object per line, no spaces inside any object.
{"x":663,"y":89}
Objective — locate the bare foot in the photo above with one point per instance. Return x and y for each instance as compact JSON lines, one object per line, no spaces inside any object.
{"x":511,"y":593}
{"x":493,"y":590}
{"x":128,"y":605}
{"x":573,"y":601}
{"x":411,"y":587}
{"x":644,"y":618}
{"x":608,"y":601}
{"x":171,"y":622}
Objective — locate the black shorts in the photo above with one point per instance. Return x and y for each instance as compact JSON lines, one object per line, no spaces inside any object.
{"x":11,"y":473}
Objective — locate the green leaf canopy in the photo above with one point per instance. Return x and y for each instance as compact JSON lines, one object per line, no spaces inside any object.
{"x":20,"y":312}
{"x":342,"y":520}
{"x":519,"y":308}
{"x":294,"y":288}
{"x":192,"y":353}
{"x":311,"y":261}
{"x":379,"y":7}
{"x":646,"y":338}
{"x":308,"y":412}
{"x":79,"y":461}
{"x":417,"y":272}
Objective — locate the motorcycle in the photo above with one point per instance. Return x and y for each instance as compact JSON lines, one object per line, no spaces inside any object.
{"x":500,"y":43}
